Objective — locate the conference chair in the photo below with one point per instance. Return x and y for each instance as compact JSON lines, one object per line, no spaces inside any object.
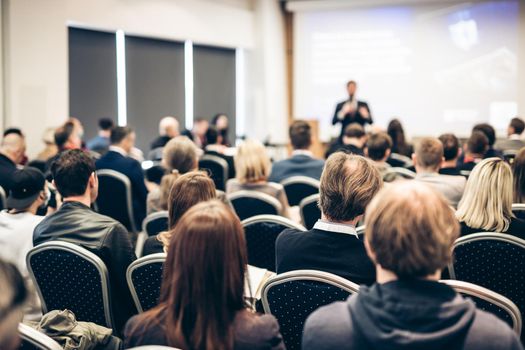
{"x":153,"y":347}
{"x":492,"y":260}
{"x":310,"y":211}
{"x":292,"y":296}
{"x":115,"y":198}
{"x":3,"y":199}
{"x":394,"y":173}
{"x":261,"y":232}
{"x":67,"y":276}
{"x":155,"y":223}
{"x":489,"y":301}
{"x":298,"y":188}
{"x":217,"y":168}
{"x":518,"y":209}
{"x":144,"y":277}
{"x":155,"y":154}
{"x":31,"y":339}
{"x":252,"y":203}
{"x":399,"y":160}
{"x":509,"y":155}
{"x":465,"y":173}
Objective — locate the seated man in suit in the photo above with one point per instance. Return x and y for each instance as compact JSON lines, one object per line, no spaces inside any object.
{"x":12,"y":152}
{"x":168,"y":129}
{"x":477,"y":146}
{"x":75,"y":179}
{"x":351,"y":110}
{"x":348,"y":184}
{"x":410,"y":231}
{"x":122,"y":141}
{"x":215,"y":147}
{"x":302,"y":161}
{"x":378,"y":148}
{"x":513,"y":142}
{"x":354,"y":141}
{"x":451,"y":152}
{"x":427,"y":159}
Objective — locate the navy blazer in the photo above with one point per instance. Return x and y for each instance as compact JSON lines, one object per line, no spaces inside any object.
{"x":132,"y":169}
{"x":298,"y":165}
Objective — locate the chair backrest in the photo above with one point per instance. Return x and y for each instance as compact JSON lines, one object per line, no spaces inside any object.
{"x":67,"y":276}
{"x":465,"y":173}
{"x":252,"y":203}
{"x":144,"y":278}
{"x":394,"y":173}
{"x":298,"y":188}
{"x":261,"y":232}
{"x":490,"y":301}
{"x":292,"y":296}
{"x":153,"y":347}
{"x":509,"y":155}
{"x":155,"y":223}
{"x":155,"y":154}
{"x":404,"y":161}
{"x":492,"y":260}
{"x":114,"y":197}
{"x":310,"y":211}
{"x":518,"y":209}
{"x":217,"y":168}
{"x":3,"y":199}
{"x":31,"y":339}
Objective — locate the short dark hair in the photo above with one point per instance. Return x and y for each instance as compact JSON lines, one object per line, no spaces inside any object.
{"x":16,"y":131}
{"x":105,"y":124}
{"x":119,"y":133}
{"x":477,"y":143}
{"x":518,"y":125}
{"x":354,"y":130}
{"x":450,"y":146}
{"x":351,"y":82}
{"x":378,"y":144}
{"x":71,"y":172}
{"x":63,"y":133}
{"x":488,"y":130}
{"x":300,"y":134}
{"x":212,"y":135}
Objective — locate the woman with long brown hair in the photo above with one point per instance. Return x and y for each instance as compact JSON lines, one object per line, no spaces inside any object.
{"x":397,"y":133}
{"x":187,"y":190}
{"x":518,"y":169}
{"x":202,"y":303}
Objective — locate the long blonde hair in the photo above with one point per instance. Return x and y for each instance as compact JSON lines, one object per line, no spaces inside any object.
{"x":252,"y":163}
{"x":487,"y":200}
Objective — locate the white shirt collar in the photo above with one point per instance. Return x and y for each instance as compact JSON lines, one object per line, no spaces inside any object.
{"x":118,"y":150}
{"x":302,"y":152}
{"x":335,"y":227}
{"x":514,"y":137}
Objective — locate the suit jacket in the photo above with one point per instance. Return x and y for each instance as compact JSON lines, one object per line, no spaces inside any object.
{"x":297,"y":165}
{"x":228,"y":159}
{"x":451,"y":187}
{"x":132,"y":169}
{"x":350,"y":118}
{"x":509,"y":144}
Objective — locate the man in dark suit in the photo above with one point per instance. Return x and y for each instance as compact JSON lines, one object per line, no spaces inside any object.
{"x":351,"y":110}
{"x":302,"y":162}
{"x":122,"y":141}
{"x":215,"y":148}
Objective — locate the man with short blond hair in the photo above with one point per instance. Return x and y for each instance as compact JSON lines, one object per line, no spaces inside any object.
{"x":427,"y":159}
{"x":168,"y":129}
{"x":410,"y":231}
{"x":348,"y":184}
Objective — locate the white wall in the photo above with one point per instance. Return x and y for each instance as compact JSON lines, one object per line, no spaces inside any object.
{"x":36,"y":44}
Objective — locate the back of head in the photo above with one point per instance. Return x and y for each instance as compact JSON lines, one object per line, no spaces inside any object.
{"x":397,"y":133}
{"x":16,"y":131}
{"x":300,"y":134}
{"x":518,"y":125}
{"x":71,"y":172}
{"x":63,"y":133}
{"x":119,"y":133}
{"x":487,"y":200}
{"x":211,"y":135}
{"x":348,"y":184}
{"x":518,"y":170}
{"x":477,"y":143}
{"x":13,"y":295}
{"x":169,"y":126}
{"x":105,"y":124}
{"x":378,"y":145}
{"x":203,"y":283}
{"x":488,"y":130}
{"x":14,"y":146}
{"x":252,"y":163}
{"x":429,"y":153}
{"x":450,"y":146}
{"x":410,"y":230}
{"x":180,"y":154}
{"x":354,"y":131}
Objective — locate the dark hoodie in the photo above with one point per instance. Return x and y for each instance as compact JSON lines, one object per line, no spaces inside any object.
{"x":413,"y":314}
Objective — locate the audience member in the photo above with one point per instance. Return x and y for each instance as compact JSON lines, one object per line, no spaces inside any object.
{"x":122,"y":140}
{"x":518,"y":170}
{"x":12,"y":153}
{"x":348,"y":184}
{"x":28,"y":193}
{"x":198,"y":133}
{"x":353,"y":141}
{"x":74,"y":176}
{"x":427,"y":160}
{"x":477,"y":146}
{"x":489,"y":131}
{"x":513,"y":142}
{"x":451,"y":152}
{"x":13,"y":295}
{"x":168,"y":129}
{"x":189,"y":189}
{"x":16,"y":131}
{"x":486,"y":205}
{"x":50,"y":149}
{"x":302,"y":161}
{"x":78,"y":127}
{"x":252,"y":168}
{"x":215,"y":147}
{"x":378,"y":149}
{"x":410,"y":230}
{"x":399,"y":143}
{"x":202,"y":303}
{"x":101,"y":142}
{"x":220,"y":121}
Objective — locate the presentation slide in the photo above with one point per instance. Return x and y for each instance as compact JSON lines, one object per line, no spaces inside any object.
{"x":439,"y":68}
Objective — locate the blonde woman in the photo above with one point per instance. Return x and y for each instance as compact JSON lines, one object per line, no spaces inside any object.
{"x":486,"y":205}
{"x":252,"y":168}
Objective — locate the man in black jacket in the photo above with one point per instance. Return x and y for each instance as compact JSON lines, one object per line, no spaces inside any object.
{"x":75,"y":222}
{"x":351,"y":110}
{"x":410,"y":230}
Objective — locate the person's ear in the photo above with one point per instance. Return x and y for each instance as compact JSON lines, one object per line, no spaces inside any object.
{"x":387,"y":153}
{"x":369,"y":251}
{"x":93,"y":180}
{"x":414,"y":159}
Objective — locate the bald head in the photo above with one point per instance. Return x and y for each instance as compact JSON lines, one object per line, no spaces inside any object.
{"x":14,"y":147}
{"x":169,"y":126}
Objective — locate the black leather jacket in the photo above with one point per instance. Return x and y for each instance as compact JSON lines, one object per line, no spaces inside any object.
{"x":76,"y":223}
